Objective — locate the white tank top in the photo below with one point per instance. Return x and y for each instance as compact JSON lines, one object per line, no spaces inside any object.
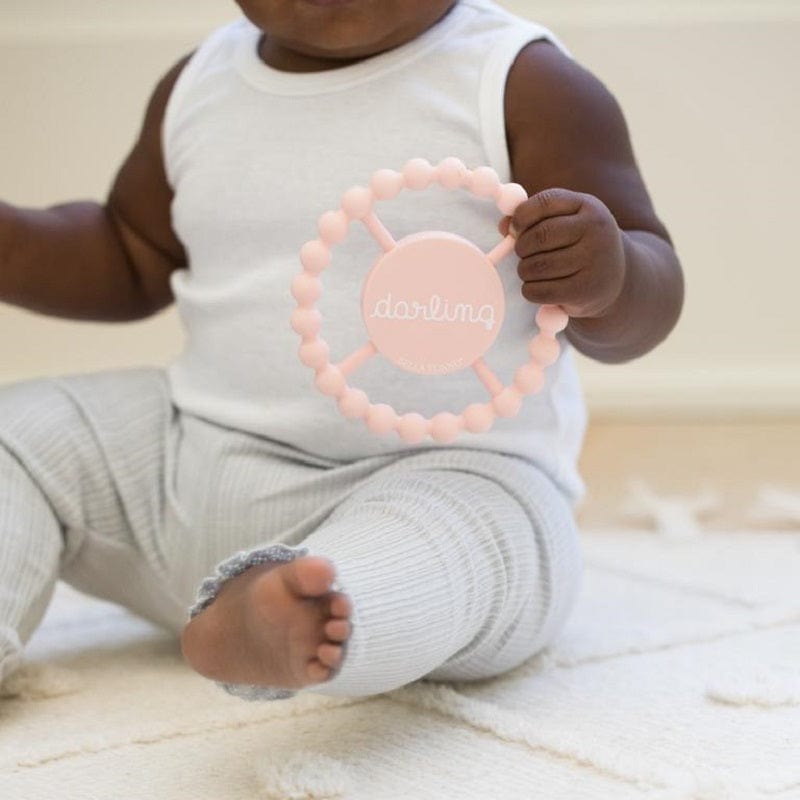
{"x":255,"y":156}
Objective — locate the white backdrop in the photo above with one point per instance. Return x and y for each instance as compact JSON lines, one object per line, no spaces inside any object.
{"x":710,"y":92}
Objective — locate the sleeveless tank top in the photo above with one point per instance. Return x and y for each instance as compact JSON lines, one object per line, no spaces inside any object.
{"x":255,"y":155}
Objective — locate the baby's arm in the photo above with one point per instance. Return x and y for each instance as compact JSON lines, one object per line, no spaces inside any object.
{"x":87,"y":260}
{"x":589,"y":238}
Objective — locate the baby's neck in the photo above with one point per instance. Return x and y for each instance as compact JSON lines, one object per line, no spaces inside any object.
{"x":282,"y":58}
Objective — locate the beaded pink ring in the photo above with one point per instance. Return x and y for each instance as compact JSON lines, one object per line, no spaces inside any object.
{"x":453,"y":319}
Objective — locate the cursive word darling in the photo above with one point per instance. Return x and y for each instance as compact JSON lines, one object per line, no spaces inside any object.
{"x":435,"y":310}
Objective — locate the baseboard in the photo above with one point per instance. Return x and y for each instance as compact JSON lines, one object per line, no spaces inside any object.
{"x":753,"y":392}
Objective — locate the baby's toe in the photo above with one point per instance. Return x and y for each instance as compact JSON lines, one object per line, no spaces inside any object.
{"x":310,"y":576}
{"x":339,"y":605}
{"x":317,"y":671}
{"x":337,"y":630}
{"x":329,"y":654}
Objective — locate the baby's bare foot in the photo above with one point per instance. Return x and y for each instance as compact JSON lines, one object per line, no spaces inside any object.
{"x":273,"y":625}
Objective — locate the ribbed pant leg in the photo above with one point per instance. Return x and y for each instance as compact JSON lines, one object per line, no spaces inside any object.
{"x":461,"y":564}
{"x":30,"y":547}
{"x":80,"y":489}
{"x":448,"y":577}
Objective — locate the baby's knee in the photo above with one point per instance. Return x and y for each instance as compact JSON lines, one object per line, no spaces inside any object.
{"x":435,"y":498}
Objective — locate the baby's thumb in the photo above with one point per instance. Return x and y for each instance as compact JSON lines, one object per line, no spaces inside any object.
{"x":505,"y":227}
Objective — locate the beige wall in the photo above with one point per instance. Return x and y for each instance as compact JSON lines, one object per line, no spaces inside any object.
{"x":710,"y":92}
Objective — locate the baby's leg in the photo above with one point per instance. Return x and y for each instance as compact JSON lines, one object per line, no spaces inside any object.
{"x":80,"y":474}
{"x":457,"y":571}
{"x":452,"y":575}
{"x":30,"y":547}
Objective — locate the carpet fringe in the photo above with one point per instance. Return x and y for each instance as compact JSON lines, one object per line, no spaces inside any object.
{"x":39,"y":682}
{"x":777,"y":506}
{"x":303,"y":775}
{"x":674,"y":517}
{"x":680,"y":517}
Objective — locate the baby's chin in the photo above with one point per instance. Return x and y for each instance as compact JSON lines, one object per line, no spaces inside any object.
{"x":354,"y":30}
{"x":340,"y":41}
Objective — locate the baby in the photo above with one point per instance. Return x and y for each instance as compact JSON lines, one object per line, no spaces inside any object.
{"x":225,"y":498}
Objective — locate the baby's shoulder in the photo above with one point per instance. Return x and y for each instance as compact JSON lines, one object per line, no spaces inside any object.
{"x":565,"y":129}
{"x":549,"y":87}
{"x":562,"y":123}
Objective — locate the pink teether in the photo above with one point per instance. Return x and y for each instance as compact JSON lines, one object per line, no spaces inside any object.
{"x":433,"y":303}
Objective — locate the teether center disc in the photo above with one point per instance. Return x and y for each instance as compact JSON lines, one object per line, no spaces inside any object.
{"x":433,"y":304}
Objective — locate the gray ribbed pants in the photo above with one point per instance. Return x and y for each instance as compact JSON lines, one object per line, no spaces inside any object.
{"x":460,"y":563}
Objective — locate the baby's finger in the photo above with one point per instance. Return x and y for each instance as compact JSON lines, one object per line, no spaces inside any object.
{"x":546,"y":292}
{"x":548,"y":266}
{"x":546,"y":204}
{"x":502,"y":226}
{"x":551,"y":234}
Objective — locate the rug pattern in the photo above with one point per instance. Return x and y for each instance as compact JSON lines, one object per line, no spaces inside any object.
{"x":677,"y":678}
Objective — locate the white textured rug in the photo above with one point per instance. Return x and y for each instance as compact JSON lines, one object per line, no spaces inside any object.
{"x":678,"y":677}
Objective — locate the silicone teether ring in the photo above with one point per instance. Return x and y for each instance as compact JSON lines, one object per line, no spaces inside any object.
{"x":432,"y":303}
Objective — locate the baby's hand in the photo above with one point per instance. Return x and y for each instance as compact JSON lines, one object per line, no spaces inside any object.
{"x":571,"y":251}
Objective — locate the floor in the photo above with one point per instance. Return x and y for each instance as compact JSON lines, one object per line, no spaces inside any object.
{"x":733,"y":459}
